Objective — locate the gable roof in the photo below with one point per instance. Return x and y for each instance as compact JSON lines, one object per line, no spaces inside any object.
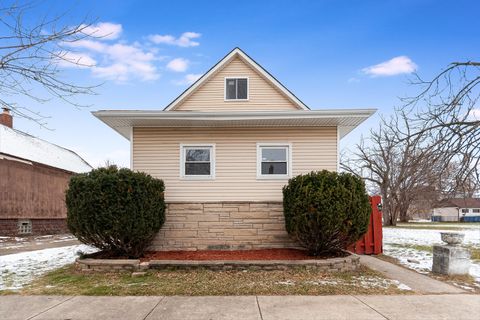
{"x":237,"y":52}
{"x":460,"y":203}
{"x":24,"y":146}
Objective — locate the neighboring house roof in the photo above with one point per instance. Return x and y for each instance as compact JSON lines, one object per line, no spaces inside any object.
{"x":24,"y":146}
{"x":122,"y":120}
{"x":460,"y":203}
{"x":237,"y":52}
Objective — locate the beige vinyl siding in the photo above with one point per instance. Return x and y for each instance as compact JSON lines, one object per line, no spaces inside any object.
{"x":211,"y":95}
{"x":157,"y":152}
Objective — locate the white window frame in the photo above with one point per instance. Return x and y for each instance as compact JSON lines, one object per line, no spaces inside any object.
{"x":286,"y":145}
{"x":184,"y":147}
{"x":225,"y":88}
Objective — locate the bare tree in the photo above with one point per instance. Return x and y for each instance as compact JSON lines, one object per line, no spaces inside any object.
{"x":432,"y":143}
{"x":31,"y":54}
{"x":447,"y":110}
{"x":396,"y":165}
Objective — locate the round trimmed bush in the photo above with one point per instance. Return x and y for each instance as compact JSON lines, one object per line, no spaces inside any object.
{"x":326,"y":211}
{"x":116,"y":210}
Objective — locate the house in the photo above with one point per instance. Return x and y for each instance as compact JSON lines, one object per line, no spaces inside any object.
{"x":457,"y":209}
{"x":33,"y":178}
{"x":225,"y":148}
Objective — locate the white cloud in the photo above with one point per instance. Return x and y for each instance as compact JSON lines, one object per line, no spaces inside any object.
{"x":188,"y":79}
{"x":87,"y":44}
{"x":185,"y":40}
{"x":111,"y":57}
{"x":73,"y":59}
{"x":392,"y":67}
{"x":474,"y":115}
{"x":178,"y":65}
{"x":120,"y":61}
{"x":103,"y":30}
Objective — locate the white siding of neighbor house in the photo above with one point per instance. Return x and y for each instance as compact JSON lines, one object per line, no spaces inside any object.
{"x":447,"y":213}
{"x":157,"y":152}
{"x":470,"y":212}
{"x":210,"y":96}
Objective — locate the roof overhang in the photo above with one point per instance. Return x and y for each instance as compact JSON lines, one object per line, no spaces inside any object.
{"x":123,"y":120}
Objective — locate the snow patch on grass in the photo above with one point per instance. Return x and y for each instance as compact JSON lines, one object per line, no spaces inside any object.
{"x":20,"y":268}
{"x":367,"y":282}
{"x":400,"y":243}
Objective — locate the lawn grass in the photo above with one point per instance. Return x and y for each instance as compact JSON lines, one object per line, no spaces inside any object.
{"x":474,"y":251}
{"x":68,"y":281}
{"x":419,"y":247}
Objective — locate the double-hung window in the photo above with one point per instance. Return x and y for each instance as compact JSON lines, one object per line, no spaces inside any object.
{"x":197,"y":161}
{"x":236,"y":89}
{"x":273,"y":161}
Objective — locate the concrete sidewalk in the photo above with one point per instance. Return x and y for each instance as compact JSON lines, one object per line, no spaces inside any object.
{"x":418,"y":282}
{"x":424,"y":307}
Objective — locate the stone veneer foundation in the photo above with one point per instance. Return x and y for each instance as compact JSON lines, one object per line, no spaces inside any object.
{"x":223,"y":226}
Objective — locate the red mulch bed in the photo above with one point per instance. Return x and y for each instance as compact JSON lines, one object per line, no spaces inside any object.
{"x":265,"y":254}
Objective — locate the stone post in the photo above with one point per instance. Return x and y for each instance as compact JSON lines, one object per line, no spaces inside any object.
{"x":451,"y":259}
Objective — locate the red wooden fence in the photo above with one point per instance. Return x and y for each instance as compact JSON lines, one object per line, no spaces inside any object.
{"x":371,"y":242}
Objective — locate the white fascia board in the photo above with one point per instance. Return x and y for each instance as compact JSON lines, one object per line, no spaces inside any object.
{"x":237,"y":115}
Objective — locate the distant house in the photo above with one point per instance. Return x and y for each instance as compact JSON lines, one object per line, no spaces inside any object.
{"x":33,"y":178}
{"x":457,"y":209}
{"x":225,"y":148}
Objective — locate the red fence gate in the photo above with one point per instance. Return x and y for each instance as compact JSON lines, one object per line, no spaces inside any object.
{"x":371,"y":242}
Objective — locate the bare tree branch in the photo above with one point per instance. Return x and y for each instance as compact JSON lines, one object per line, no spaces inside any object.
{"x":430,"y":147}
{"x":31,"y":54}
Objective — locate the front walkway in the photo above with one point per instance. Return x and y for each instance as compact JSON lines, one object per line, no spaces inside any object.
{"x":458,"y":306}
{"x":417,"y":282}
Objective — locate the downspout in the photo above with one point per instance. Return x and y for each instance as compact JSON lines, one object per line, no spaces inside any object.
{"x":131,"y":148}
{"x":338,"y":149}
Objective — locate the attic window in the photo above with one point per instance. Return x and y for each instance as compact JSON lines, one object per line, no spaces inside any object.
{"x":236,"y":88}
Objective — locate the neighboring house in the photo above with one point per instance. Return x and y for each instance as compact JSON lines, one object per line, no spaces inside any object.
{"x":458,"y":209}
{"x":33,"y":178}
{"x":225,"y":148}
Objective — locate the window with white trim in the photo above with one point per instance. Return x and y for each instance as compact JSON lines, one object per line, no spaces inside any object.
{"x":236,"y":88}
{"x":464,"y":210}
{"x":475,"y":210}
{"x":197,"y":161}
{"x":273,"y":161}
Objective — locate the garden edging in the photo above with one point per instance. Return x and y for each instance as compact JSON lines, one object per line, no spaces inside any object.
{"x":349,"y":263}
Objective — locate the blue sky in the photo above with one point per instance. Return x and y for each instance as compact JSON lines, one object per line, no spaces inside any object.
{"x":326,"y":52}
